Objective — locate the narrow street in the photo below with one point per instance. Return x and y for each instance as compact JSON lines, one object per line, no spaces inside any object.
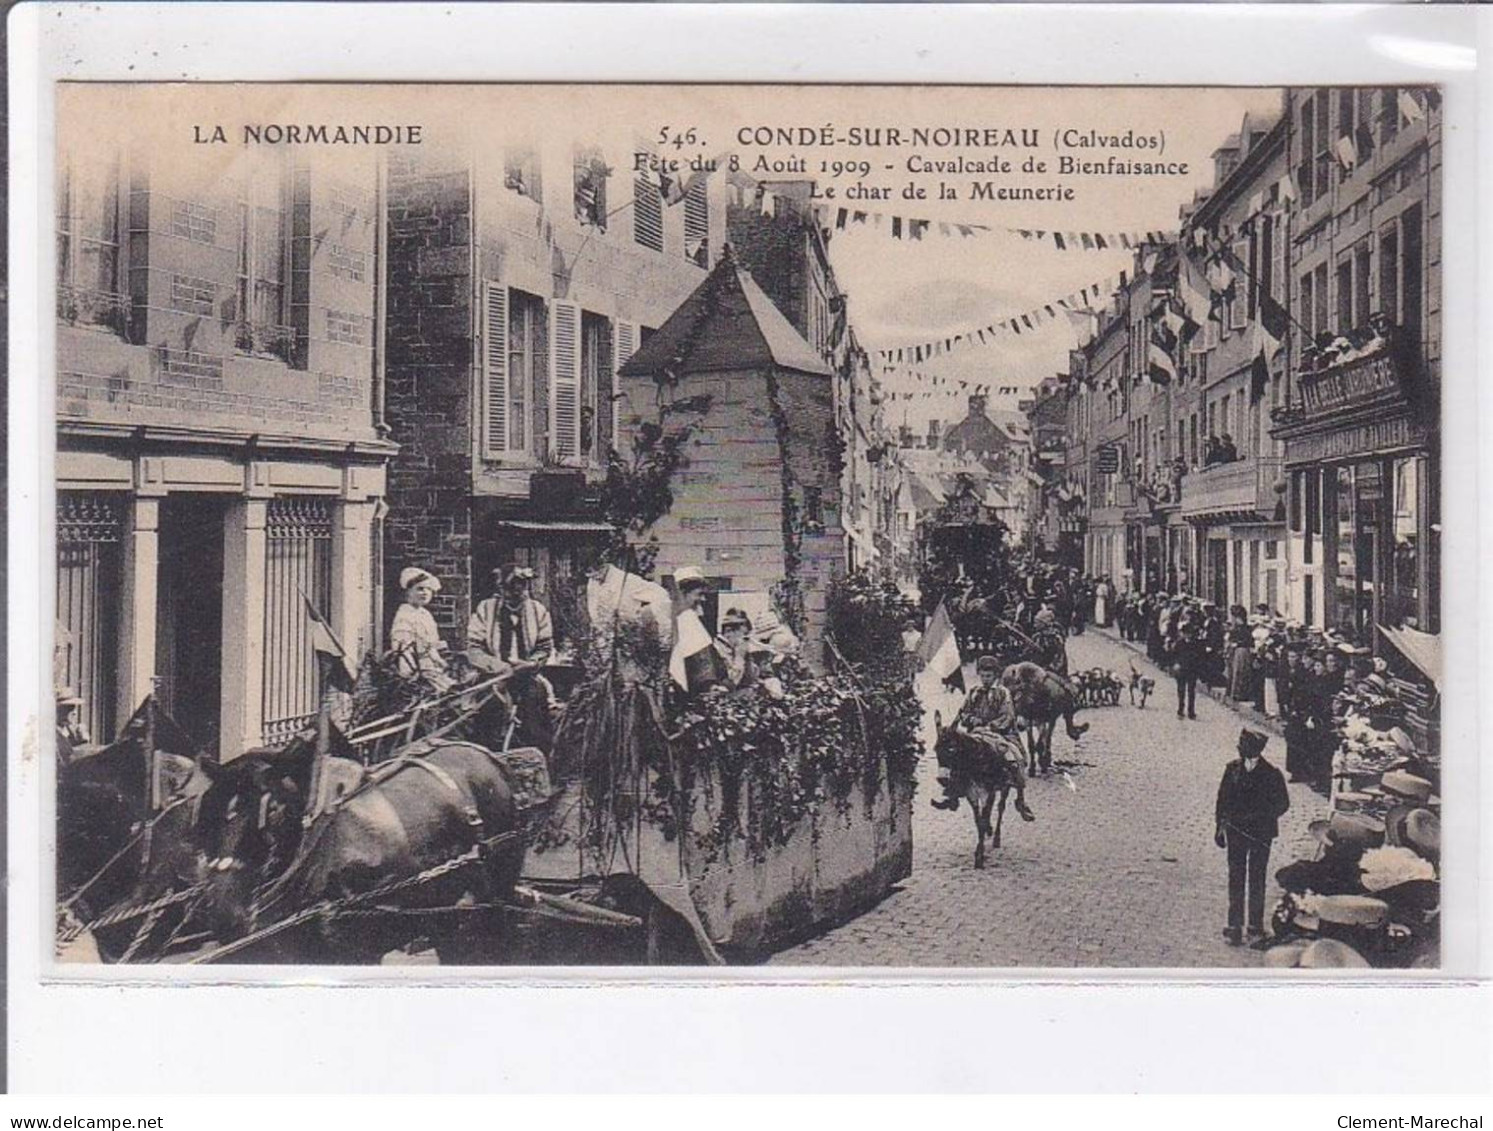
{"x":1118,"y":870}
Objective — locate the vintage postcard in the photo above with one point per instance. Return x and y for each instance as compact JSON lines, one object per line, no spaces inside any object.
{"x":850,"y":527}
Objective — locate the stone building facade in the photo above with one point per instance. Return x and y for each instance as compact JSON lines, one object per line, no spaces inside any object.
{"x":220,"y":452}
{"x":521,"y":278}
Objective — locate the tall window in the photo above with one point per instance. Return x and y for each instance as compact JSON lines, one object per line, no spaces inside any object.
{"x":596,"y":386}
{"x":1305,"y":179}
{"x":1389,"y":272}
{"x":1344,"y":295}
{"x":1361,"y":268}
{"x":1319,"y":289}
{"x":528,"y":355}
{"x":262,"y":314}
{"x":1322,"y":159}
{"x":1389,"y":113}
{"x":89,"y":275}
{"x":1412,"y":297}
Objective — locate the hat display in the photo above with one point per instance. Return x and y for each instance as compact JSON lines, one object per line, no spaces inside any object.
{"x":1387,"y":867}
{"x":1329,"y":954}
{"x":516,"y":573}
{"x":987,"y":664}
{"x":1402,"y":740}
{"x":413,"y":575}
{"x":1400,"y":783}
{"x":1285,"y":957}
{"x":68,"y":697}
{"x":1350,"y":910}
{"x":1251,"y":743}
{"x":1353,"y":829}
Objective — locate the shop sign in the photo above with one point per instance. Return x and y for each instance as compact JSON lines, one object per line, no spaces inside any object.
{"x":1351,"y":385}
{"x":1357,"y":440}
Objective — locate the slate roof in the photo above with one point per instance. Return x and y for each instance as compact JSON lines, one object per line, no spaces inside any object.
{"x":726,"y":323}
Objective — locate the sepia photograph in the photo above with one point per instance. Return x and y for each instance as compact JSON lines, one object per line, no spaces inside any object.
{"x":835,"y":527}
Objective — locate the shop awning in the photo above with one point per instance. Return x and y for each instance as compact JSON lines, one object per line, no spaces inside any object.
{"x":554,"y":526}
{"x":1423,"y":649}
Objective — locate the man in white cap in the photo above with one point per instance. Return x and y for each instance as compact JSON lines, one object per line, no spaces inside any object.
{"x":413,"y":637}
{"x":689,"y":666}
{"x":511,"y":633}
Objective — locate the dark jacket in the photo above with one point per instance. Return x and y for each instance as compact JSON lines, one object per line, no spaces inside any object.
{"x":1251,"y":802}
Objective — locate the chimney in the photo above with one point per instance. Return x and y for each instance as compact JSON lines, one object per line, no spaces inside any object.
{"x":977,"y":404}
{"x":935,"y":431}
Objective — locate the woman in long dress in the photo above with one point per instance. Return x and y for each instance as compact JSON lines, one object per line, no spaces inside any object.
{"x":1241,"y":661}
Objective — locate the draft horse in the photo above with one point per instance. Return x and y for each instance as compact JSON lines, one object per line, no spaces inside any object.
{"x":988,"y":780}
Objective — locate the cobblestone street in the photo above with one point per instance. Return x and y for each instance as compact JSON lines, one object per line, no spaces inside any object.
{"x":1119,"y":870}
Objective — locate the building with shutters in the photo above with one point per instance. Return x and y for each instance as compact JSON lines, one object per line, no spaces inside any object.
{"x":520,"y":279}
{"x":219,"y":448}
{"x":1359,"y":436}
{"x":1234,"y":509}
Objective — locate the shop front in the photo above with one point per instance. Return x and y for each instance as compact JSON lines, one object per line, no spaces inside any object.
{"x":1364,"y":524}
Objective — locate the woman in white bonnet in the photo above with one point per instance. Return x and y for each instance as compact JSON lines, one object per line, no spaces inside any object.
{"x":414,"y":636}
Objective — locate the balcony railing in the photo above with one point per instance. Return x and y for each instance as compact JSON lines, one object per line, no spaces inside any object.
{"x":79,"y":306}
{"x":1243,"y":486}
{"x":264,"y":339}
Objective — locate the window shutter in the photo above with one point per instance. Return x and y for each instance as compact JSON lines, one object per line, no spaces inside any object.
{"x":495,"y":365}
{"x":565,"y":379}
{"x":624,"y":343}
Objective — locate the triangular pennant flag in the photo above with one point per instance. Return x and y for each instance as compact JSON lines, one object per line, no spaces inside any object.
{"x":1125,"y":241}
{"x":1410,"y":108}
{"x":858,"y":217}
{"x":896,"y":227}
{"x":840,"y":218}
{"x":1099,"y":242}
{"x":1088,"y":241}
{"x":1057,"y":238}
{"x":1346,"y":151}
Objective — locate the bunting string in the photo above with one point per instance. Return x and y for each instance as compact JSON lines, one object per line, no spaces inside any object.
{"x":912,"y":229}
{"x":1078,"y":308}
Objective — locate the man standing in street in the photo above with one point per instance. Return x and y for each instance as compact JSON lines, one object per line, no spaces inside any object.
{"x":1186,"y":656}
{"x":1252,"y":798}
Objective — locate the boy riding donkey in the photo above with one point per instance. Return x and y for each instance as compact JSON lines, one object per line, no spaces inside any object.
{"x":989,"y":716}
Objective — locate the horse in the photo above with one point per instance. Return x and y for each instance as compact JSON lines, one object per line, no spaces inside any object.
{"x":1041,"y":697}
{"x":124,"y":829}
{"x":988,"y":780}
{"x":435,"y":802}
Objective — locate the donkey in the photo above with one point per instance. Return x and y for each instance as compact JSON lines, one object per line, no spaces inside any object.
{"x":988,"y":780}
{"x":1041,"y":697}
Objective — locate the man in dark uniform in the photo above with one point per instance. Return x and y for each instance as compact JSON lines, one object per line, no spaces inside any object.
{"x":1252,"y":798}
{"x":989,"y":715}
